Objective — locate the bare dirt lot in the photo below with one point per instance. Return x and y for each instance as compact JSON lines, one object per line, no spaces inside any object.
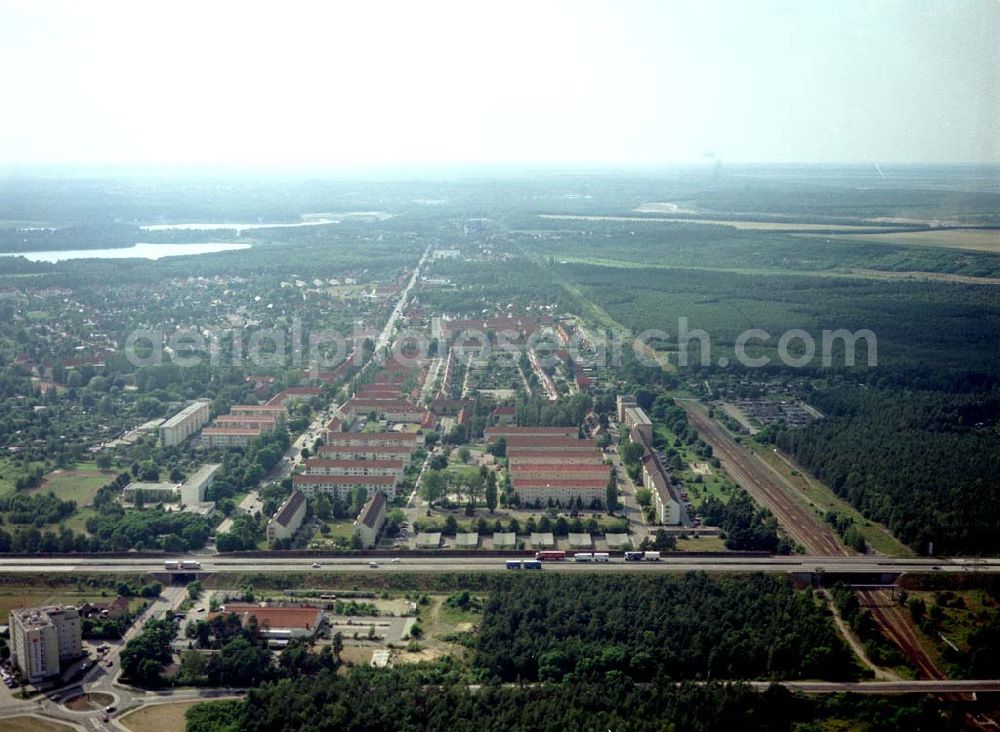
{"x":31,"y":724}
{"x":746,"y":225}
{"x":980,"y":240}
{"x":158,"y":717}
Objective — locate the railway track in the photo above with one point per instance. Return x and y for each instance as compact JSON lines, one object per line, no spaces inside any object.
{"x":800,"y":523}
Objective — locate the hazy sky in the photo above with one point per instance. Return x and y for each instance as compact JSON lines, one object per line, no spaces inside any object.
{"x":349,"y":83}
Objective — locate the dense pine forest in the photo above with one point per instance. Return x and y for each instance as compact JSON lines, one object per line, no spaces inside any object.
{"x":924,"y":463}
{"x":368,"y":701}
{"x":556,"y":627}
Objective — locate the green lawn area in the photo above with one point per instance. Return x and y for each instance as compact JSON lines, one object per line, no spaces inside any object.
{"x":702,"y":544}
{"x":9,"y":472}
{"x":13,"y":596}
{"x":78,"y":521}
{"x":458,"y":471}
{"x":78,"y":484}
{"x":956,"y":622}
{"x":455,"y":616}
{"x":712,"y":480}
{"x":339,"y":529}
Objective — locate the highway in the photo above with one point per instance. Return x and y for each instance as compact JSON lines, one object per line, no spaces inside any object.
{"x":671,"y":562}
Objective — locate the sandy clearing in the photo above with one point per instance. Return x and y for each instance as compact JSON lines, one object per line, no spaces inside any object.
{"x":745,"y":225}
{"x":977,"y":240}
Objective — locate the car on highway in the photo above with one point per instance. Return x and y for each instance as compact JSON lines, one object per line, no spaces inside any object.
{"x":395,"y":560}
{"x":373,"y":565}
{"x":315,"y":565}
{"x":110,"y":709}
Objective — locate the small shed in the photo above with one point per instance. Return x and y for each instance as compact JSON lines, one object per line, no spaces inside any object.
{"x":467,"y":541}
{"x":542,"y":539}
{"x":580,"y":541}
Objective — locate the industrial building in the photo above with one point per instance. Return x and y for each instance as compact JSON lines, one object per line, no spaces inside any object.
{"x":371,"y":520}
{"x":143,"y":492}
{"x":195,"y":488}
{"x":184,"y":424}
{"x":43,"y":637}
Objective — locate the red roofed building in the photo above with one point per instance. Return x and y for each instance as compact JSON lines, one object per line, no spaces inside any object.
{"x":504,"y":416}
{"x":494,"y":433}
{"x":277,"y":623}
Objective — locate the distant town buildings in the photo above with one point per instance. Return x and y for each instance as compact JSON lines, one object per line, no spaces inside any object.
{"x":42,"y":638}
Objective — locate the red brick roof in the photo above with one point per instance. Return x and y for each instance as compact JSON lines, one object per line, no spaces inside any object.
{"x":306,"y":617}
{"x":526,"y":442}
{"x":509,"y":433}
{"x":555,"y":483}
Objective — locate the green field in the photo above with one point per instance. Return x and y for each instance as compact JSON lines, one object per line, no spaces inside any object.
{"x":78,"y":484}
{"x":713,"y":483}
{"x":15,"y":596}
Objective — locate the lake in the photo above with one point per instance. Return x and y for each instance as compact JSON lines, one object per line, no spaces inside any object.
{"x":136,"y":251}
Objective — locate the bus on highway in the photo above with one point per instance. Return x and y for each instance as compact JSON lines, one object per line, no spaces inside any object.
{"x":633,"y":556}
{"x":549,"y":555}
{"x":583,"y":557}
{"x":513,"y":564}
{"x":532,"y":564}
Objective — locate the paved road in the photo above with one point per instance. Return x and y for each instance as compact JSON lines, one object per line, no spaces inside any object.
{"x":385,"y":337}
{"x":673,"y":562}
